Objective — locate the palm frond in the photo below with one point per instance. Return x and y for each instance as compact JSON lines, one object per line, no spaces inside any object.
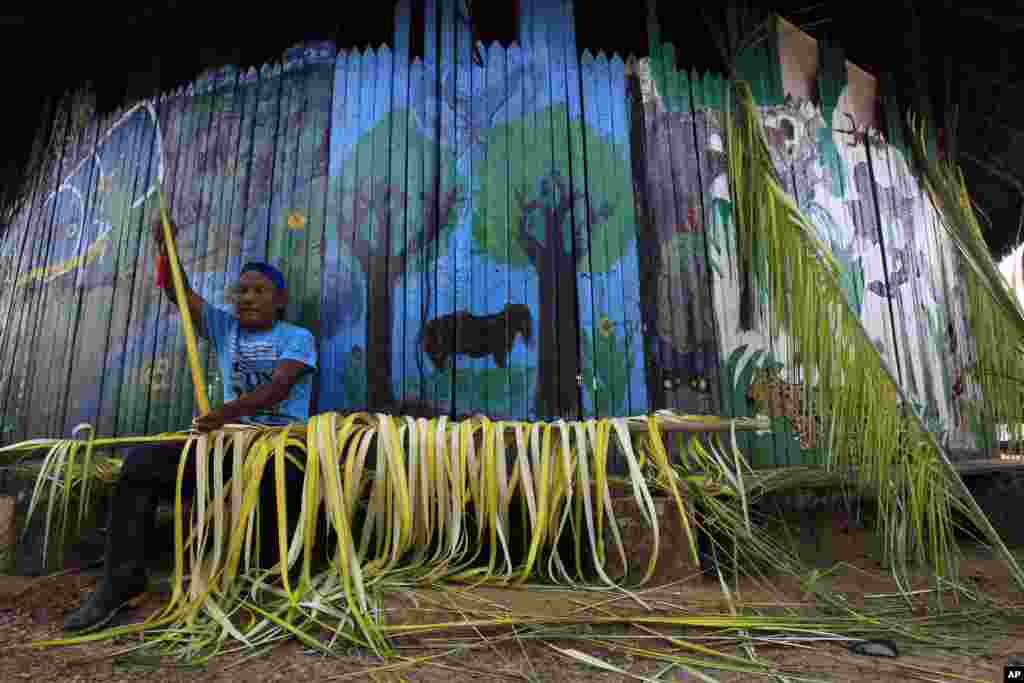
{"x":996,"y":315}
{"x":883,"y":443}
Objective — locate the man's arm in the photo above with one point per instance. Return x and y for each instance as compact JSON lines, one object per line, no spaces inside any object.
{"x":286,"y":374}
{"x":166,"y":281}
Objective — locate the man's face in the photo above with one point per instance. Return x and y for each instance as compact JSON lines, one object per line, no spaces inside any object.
{"x":258,"y":300}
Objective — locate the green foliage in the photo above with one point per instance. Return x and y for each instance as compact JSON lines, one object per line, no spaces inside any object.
{"x":830,"y":157}
{"x":672,"y":85}
{"x":779,"y":448}
{"x":937,"y":334}
{"x":607,"y":358}
{"x":353,"y":381}
{"x":362,"y":200}
{"x":499,"y":219}
{"x":981,"y":425}
{"x":851,"y":280}
{"x":487,"y":390}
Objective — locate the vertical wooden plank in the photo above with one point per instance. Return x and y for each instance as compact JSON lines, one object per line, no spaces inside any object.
{"x":321,"y":94}
{"x":522,"y":405}
{"x":398,"y":237}
{"x":963,"y":432}
{"x":417,"y":266}
{"x":468,"y":371}
{"x":562,"y":36}
{"x":594,"y":306}
{"x":711,"y":168}
{"x":419,"y":258}
{"x":288,"y":214}
{"x":618,"y":205}
{"x":427,"y":101}
{"x":335,"y":275}
{"x":284,"y":163}
{"x":372,"y":105}
{"x":379,"y":297}
{"x":555,"y":31}
{"x":446,"y":287}
{"x":634,"y":401}
{"x":486,"y":374}
{"x":355,"y":204}
{"x":540,"y":189}
{"x":662,"y":263}
{"x":256,"y":234}
{"x":679,"y":244}
{"x":497,"y":280}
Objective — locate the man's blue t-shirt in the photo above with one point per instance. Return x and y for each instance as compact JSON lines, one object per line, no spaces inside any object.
{"x":248,"y":358}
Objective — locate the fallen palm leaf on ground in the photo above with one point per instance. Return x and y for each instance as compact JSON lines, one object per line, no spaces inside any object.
{"x":423,"y":484}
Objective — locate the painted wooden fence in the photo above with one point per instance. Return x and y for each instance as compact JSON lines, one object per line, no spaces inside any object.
{"x":546,"y":234}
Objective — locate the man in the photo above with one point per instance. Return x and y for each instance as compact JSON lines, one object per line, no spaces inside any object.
{"x":267,"y":365}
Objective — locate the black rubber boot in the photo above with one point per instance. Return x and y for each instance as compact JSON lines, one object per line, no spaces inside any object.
{"x":104,"y":604}
{"x":129,"y":527}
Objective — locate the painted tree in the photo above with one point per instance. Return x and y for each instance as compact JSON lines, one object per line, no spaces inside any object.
{"x":545,"y":193}
{"x":388,"y":227}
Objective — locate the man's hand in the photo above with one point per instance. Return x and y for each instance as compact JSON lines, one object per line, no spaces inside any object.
{"x":287,"y":373}
{"x":214,"y":420}
{"x":158,"y":232}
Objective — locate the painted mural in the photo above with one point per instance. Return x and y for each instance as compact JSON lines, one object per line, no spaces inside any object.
{"x":532,"y":233}
{"x":481,"y":229}
{"x":897,"y":269}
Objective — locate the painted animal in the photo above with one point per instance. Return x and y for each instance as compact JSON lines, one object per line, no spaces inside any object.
{"x":476,"y":336}
{"x":908,"y":264}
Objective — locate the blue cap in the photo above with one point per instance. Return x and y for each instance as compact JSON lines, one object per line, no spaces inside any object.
{"x":270,"y":271}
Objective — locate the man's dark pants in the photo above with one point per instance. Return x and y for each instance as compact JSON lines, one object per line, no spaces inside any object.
{"x":149,"y":474}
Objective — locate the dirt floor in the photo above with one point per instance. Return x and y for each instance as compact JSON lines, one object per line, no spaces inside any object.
{"x":31,"y":609}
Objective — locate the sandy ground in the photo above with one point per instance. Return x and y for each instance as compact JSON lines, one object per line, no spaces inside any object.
{"x":32,"y":608}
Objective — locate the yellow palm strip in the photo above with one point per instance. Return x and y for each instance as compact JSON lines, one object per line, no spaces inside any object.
{"x":198,"y":377}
